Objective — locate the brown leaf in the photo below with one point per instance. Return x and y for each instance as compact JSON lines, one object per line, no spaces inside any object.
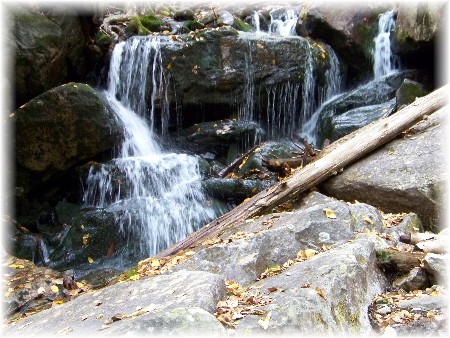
{"x":319,"y":291}
{"x":329,"y":213}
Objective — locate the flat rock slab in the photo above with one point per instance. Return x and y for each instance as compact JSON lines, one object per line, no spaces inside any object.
{"x":151,"y":297}
{"x":407,"y":174}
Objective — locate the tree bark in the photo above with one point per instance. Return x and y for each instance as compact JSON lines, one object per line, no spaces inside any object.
{"x":329,"y":162}
{"x":235,"y":163}
{"x":399,"y":261}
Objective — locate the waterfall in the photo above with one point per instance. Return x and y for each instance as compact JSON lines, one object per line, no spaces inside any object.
{"x":156,"y":197}
{"x":333,"y":78}
{"x":256,"y":23}
{"x":382,"y":55}
{"x":283,"y":22}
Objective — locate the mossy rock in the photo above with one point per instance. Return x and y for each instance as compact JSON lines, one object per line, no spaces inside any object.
{"x":143,"y":25}
{"x":192,"y":25}
{"x":241,"y":25}
{"x":103,"y":40}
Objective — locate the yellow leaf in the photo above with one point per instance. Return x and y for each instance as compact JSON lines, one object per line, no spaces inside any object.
{"x":189,"y":253}
{"x":368,"y":220}
{"x":54,"y":288}
{"x":17,"y":266}
{"x":58,"y":302}
{"x":310,"y":253}
{"x":80,"y":285}
{"x":155,"y":263}
{"x":169,"y":66}
{"x":134,"y":277}
{"x":329,"y":213}
{"x":323,"y":55}
{"x":85,"y":239}
{"x":7,"y":293}
{"x":90,"y":260}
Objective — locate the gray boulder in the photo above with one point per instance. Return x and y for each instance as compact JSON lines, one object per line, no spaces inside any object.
{"x":359,"y":117}
{"x":160,"y":303}
{"x":273,"y":239}
{"x":347,"y":278}
{"x":408,"y":91}
{"x":407,"y":174}
{"x":436,"y":266}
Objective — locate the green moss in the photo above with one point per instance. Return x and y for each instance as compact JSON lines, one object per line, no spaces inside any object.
{"x":151,"y":22}
{"x":347,"y":318}
{"x":102,"y":40}
{"x":130,"y":273}
{"x":192,"y":25}
{"x":241,"y":25}
{"x":135,"y":27}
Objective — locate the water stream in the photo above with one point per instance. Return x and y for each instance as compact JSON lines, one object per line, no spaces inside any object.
{"x":156,"y":197}
{"x":383,"y":58}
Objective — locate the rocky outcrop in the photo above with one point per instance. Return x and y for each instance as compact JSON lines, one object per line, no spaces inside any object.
{"x":407,"y":174}
{"x":49,"y":48}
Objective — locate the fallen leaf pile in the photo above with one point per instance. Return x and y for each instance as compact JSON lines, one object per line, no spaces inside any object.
{"x":386,"y":313}
{"x":29,"y":289}
{"x":391,"y":220}
{"x":240,"y":303}
{"x":302,"y":256}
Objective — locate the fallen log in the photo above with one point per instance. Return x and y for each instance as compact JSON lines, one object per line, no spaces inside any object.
{"x":236,"y":163}
{"x":399,"y":261}
{"x":329,"y":162}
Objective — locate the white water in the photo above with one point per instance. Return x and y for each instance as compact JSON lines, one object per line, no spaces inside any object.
{"x":156,"y":197}
{"x":333,"y":87}
{"x":256,"y":23}
{"x":283,"y":22}
{"x":383,"y":58}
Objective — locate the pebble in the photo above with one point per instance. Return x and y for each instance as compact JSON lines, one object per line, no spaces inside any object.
{"x":384,"y":310}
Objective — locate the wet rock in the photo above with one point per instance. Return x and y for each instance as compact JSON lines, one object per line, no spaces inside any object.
{"x":219,"y":137}
{"x":124,"y":303}
{"x":416,"y":279}
{"x":319,"y":295}
{"x":408,"y":91}
{"x":372,"y":93}
{"x":273,"y":239}
{"x":359,"y":117}
{"x":407,"y":174}
{"x":234,"y":189}
{"x":436,"y":266}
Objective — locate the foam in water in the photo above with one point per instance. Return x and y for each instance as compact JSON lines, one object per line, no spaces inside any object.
{"x":156,"y":197}
{"x":383,"y":58}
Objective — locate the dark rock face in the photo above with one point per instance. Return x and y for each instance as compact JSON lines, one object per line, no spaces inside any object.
{"x":62,"y":127}
{"x":49,"y":49}
{"x":408,"y":91}
{"x":349,"y":30}
{"x":56,"y":131}
{"x":407,"y":174}
{"x":375,"y":92}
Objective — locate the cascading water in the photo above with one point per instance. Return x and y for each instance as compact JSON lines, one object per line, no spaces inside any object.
{"x":333,"y":87}
{"x":382,"y":55}
{"x":282,"y":22}
{"x":156,"y":197}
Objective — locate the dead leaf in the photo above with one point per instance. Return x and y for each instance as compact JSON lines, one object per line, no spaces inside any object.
{"x":90,"y":260}
{"x":306,"y":285}
{"x":54,"y":288}
{"x":319,"y":291}
{"x":85,"y":240}
{"x":329,"y":213}
{"x":264,"y":322}
{"x":134,"y":277}
{"x":368,"y":220}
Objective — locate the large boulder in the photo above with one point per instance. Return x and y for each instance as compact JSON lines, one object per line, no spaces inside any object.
{"x":48,"y":48}
{"x":61,"y":128}
{"x":325,"y":295}
{"x":407,"y":174}
{"x":273,"y":239}
{"x":217,"y":73}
